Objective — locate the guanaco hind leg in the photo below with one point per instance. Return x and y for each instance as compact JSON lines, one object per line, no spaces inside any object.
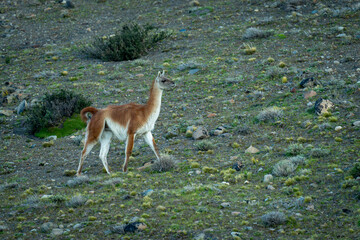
{"x":149,"y":139}
{"x":105,"y":146}
{"x":128,"y":150}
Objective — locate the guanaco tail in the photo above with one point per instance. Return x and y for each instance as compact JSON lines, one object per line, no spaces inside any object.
{"x":125,"y":122}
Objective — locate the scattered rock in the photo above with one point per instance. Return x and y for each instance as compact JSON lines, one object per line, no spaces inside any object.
{"x":69,"y":4}
{"x":235,"y":213}
{"x":237,"y":166}
{"x":69,"y":173}
{"x":308,"y":82}
{"x":225,"y":204}
{"x":46,"y":227}
{"x":21,"y":107}
{"x":133,"y":227}
{"x":236,"y":235}
{"x":193,"y":71}
{"x":219,"y":130}
{"x":3,"y":228}
{"x":200,"y":236}
{"x":356,"y":124}
{"x":147,"y":192}
{"x":310,"y":208}
{"x":65,"y":13}
{"x":7,"y":113}
{"x":309,"y":94}
{"x":200,"y":133}
{"x":252,"y":149}
{"x":338,"y":128}
{"x":57,"y":232}
{"x":270,"y":187}
{"x":268,"y":178}
{"x":322,"y":106}
{"x":52,"y":137}
{"x":77,"y":226}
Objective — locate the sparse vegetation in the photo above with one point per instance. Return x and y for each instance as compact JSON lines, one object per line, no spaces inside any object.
{"x":204,"y":145}
{"x":166,"y":163}
{"x":273,"y":219}
{"x":130,"y":42}
{"x":78,"y":181}
{"x":270,"y":114}
{"x":54,"y":108}
{"x":76,"y":201}
{"x":284,"y":168}
{"x":252,"y":33}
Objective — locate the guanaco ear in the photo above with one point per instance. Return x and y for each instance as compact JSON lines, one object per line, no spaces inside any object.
{"x":163,"y":73}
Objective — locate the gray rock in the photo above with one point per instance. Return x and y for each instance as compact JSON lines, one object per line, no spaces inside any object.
{"x":235,"y":234}
{"x":270,"y":187}
{"x":77,"y":226}
{"x":147,"y":192}
{"x":225,"y":204}
{"x":268,"y":178}
{"x":7,"y":113}
{"x":200,"y":236}
{"x":219,"y":130}
{"x":3,"y":228}
{"x":46,"y":227}
{"x":52,"y":137}
{"x":356,"y":123}
{"x":21,"y":107}
{"x":193,"y":71}
{"x":308,"y":82}
{"x":57,"y":232}
{"x":200,"y":133}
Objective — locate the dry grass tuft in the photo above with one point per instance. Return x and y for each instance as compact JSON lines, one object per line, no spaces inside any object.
{"x":165,"y":163}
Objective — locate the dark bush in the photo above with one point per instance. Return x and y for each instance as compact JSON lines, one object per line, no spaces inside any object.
{"x":54,"y":109}
{"x":355,"y":171}
{"x":131,"y":42}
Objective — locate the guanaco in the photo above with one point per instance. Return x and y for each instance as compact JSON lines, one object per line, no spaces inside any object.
{"x":125,"y":122}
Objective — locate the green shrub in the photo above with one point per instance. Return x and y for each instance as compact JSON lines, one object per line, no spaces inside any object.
{"x":54,"y":109}
{"x":204,"y":145}
{"x":131,"y":42}
{"x":355,"y":171}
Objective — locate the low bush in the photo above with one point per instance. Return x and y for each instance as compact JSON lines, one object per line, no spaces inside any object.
{"x":131,"y":42}
{"x":165,"y":163}
{"x":54,"y":109}
{"x":270,"y":114}
{"x":273,"y":219}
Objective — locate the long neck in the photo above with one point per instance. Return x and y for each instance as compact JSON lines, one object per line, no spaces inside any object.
{"x":154,"y":102}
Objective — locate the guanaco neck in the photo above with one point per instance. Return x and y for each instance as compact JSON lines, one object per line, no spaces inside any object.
{"x":154,"y":102}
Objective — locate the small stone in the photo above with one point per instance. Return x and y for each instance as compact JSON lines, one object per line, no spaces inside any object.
{"x":3,"y":228}
{"x":21,"y":107}
{"x":270,"y":187}
{"x":147,"y":192}
{"x":219,"y":130}
{"x":237,"y":166}
{"x":338,"y":128}
{"x":341,"y":35}
{"x":46,"y":227}
{"x":236,"y":235}
{"x":57,"y":232}
{"x":52,"y":137}
{"x":69,"y":4}
{"x":65,"y":13}
{"x":307,"y":82}
{"x":77,"y":226}
{"x":69,"y":173}
{"x":356,"y":124}
{"x":200,"y":133}
{"x":200,"y":236}
{"x":225,"y":204}
{"x":252,"y":149}
{"x":309,"y":94}
{"x":132,"y":227}
{"x":268,"y":178}
{"x":322,"y":106}
{"x":235,"y":213}
{"x":310,"y":207}
{"x":193,"y":71}
{"x":6,"y":113}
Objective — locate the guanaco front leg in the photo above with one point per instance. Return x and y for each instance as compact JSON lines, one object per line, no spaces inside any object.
{"x":87,"y":148}
{"x":128,"y":150}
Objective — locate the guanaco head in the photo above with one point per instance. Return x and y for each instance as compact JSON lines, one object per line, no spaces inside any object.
{"x":163,"y":82}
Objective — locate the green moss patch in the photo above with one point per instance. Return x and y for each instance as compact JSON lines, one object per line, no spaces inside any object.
{"x":70,"y":126}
